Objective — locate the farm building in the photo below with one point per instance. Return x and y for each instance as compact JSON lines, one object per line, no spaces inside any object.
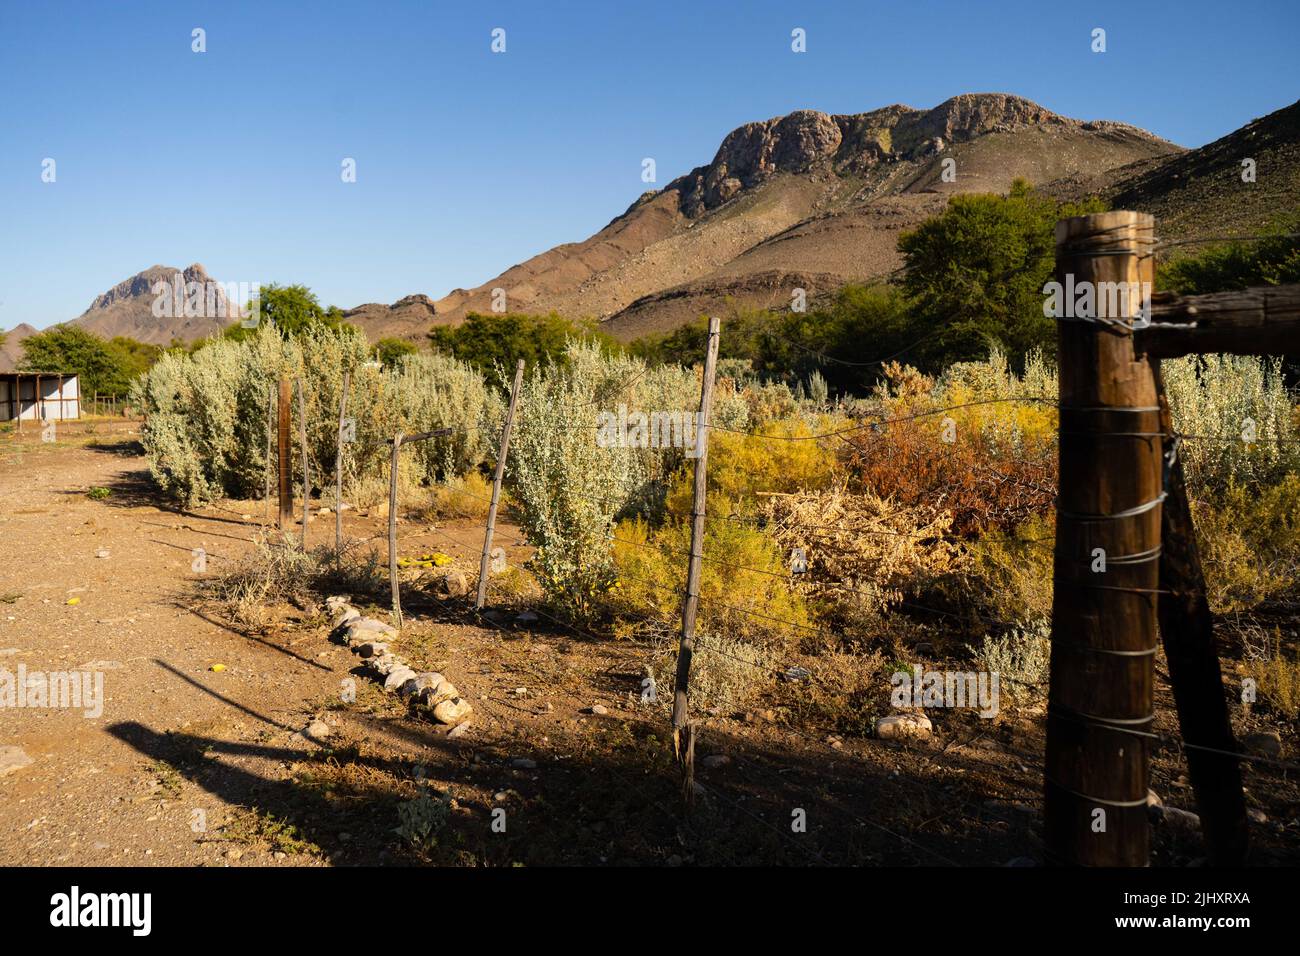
{"x":33,"y":396}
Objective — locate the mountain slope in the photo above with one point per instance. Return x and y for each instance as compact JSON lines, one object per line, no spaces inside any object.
{"x":809,"y":198}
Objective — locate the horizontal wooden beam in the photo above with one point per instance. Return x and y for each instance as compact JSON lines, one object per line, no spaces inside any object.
{"x":1260,"y":321}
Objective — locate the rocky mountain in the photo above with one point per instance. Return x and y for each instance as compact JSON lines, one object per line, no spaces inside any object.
{"x":809,"y":200}
{"x":128,"y":308}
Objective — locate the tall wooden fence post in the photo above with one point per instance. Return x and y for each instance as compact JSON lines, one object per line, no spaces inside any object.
{"x":283,"y":457}
{"x":338,"y":469}
{"x":484,"y":567}
{"x":1107,"y":546}
{"x":270,"y":442}
{"x":306,"y":462}
{"x":683,"y":730}
{"x":392,"y":529}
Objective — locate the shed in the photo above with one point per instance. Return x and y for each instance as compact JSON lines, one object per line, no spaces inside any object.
{"x":37,"y":396}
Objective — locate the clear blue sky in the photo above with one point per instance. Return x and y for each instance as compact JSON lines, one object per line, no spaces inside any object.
{"x":468,"y":161}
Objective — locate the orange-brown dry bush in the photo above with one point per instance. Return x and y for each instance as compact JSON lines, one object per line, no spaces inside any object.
{"x":984,"y":482}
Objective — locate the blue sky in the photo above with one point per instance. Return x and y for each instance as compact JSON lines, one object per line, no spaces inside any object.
{"x":469,"y":162}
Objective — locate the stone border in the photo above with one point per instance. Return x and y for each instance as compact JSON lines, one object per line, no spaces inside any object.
{"x":428,"y":691}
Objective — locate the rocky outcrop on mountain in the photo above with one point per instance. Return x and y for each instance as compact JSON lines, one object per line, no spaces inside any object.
{"x":410,"y":315}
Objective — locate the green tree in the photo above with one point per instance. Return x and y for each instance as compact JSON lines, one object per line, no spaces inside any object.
{"x":292,"y":309}
{"x":390,"y":350}
{"x":105,"y":367}
{"x":487,"y":341}
{"x":976,"y":273}
{"x":1274,"y":260}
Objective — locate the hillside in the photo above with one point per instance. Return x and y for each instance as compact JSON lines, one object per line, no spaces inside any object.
{"x":810,"y":200}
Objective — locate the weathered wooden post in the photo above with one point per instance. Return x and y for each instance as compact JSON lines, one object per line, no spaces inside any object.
{"x":683,"y":730}
{"x":338,"y":469}
{"x":392,"y":529}
{"x":306,"y":461}
{"x":484,"y":567}
{"x":1107,"y":550}
{"x":284,"y":456}
{"x":270,"y":441}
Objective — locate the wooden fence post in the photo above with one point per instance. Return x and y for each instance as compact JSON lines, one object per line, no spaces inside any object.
{"x":270,"y":441}
{"x":484,"y":564}
{"x":1107,"y":546}
{"x":338,"y":470}
{"x":392,"y":529}
{"x":283,"y":456}
{"x":683,"y":730}
{"x":306,"y":464}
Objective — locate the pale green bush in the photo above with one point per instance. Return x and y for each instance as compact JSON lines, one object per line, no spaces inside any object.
{"x":570,"y":488}
{"x":1020,"y":659}
{"x":206,"y":435}
{"x":1211,"y":398}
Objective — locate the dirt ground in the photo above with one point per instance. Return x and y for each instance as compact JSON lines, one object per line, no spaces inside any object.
{"x":201,"y":756}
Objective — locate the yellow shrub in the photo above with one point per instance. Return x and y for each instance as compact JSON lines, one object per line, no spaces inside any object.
{"x":1250,"y":543}
{"x":778,"y":456}
{"x":757,"y":607}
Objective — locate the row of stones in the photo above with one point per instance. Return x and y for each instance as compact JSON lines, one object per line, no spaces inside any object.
{"x":428,"y":690}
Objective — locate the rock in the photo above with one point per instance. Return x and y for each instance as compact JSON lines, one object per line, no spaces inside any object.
{"x":459,"y":730}
{"x":524,"y":763}
{"x":385,"y":664}
{"x":450,"y":584}
{"x":600,"y":710}
{"x":429,"y":680}
{"x":1267,"y":744}
{"x":372,"y":649}
{"x":13,"y":759}
{"x":443,"y":690}
{"x":337,"y":602}
{"x":397,"y":677}
{"x":319,"y":730}
{"x":1174,"y":818}
{"x":902,"y":726}
{"x":1256,"y":816}
{"x":368,"y":629}
{"x":527,"y":617}
{"x":1153,"y":799}
{"x":349,"y":615}
{"x":452,"y":712}
{"x":1020,"y":861}
{"x":714,"y":761}
{"x":103,"y":553}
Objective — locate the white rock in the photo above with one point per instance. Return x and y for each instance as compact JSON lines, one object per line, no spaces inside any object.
{"x":13,"y":759}
{"x":453,"y":712}
{"x":319,"y":729}
{"x":397,"y":677}
{"x":900,"y":726}
{"x":713,"y":761}
{"x":524,"y":763}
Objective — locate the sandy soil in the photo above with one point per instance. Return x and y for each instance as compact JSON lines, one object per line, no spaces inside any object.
{"x":193,"y":765}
